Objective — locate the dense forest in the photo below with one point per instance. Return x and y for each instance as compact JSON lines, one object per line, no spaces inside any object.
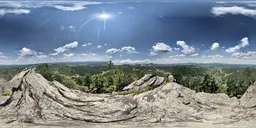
{"x":108,"y":78}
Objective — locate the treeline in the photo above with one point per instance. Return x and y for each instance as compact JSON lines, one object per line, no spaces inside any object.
{"x":96,"y":79}
{"x":109,"y":78}
{"x":9,"y":73}
{"x":233,"y":82}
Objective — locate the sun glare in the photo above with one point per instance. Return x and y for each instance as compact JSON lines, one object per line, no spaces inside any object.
{"x":104,"y":16}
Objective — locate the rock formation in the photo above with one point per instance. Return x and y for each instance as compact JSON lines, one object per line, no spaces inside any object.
{"x":34,"y":98}
{"x":148,"y":80}
{"x":248,"y":100}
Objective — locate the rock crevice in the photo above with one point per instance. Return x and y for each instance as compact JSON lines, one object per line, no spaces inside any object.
{"x":34,"y":98}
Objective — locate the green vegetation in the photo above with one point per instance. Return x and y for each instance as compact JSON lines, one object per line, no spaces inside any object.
{"x":109,"y":78}
{"x":9,"y":73}
{"x":44,"y":70}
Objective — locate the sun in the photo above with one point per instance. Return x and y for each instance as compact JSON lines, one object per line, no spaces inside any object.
{"x":104,"y":16}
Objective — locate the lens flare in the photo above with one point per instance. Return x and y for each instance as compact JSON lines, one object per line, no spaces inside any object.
{"x":104,"y":16}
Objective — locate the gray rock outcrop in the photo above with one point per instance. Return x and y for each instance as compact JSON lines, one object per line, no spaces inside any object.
{"x":248,"y":100}
{"x":34,"y":98}
{"x":148,"y":80}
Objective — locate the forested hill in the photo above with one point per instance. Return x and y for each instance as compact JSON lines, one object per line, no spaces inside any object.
{"x":108,"y":78}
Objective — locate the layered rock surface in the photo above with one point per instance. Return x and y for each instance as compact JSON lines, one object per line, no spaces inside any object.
{"x":148,"y":81}
{"x":34,"y":98}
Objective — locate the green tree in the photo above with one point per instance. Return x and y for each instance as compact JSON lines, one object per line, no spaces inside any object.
{"x":44,"y":70}
{"x":87,"y":81}
{"x":110,"y":65}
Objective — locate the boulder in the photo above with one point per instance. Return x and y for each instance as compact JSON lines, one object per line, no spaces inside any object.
{"x":248,"y":100}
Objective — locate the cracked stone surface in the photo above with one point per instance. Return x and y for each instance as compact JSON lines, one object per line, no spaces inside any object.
{"x":34,"y":99}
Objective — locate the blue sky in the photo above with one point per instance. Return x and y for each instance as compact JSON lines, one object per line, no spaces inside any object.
{"x":128,"y":32}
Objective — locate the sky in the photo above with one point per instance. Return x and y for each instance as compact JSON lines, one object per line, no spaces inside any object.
{"x":162,"y":32}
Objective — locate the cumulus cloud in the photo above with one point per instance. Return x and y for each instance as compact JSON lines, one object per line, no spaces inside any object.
{"x":65,"y":48}
{"x":14,"y":11}
{"x":128,"y":49}
{"x":215,"y":46}
{"x":186,"y":49}
{"x":112,"y":51}
{"x":125,"y":49}
{"x":244,"y":42}
{"x":161,"y":47}
{"x":29,"y":53}
{"x":26,"y":52}
{"x":234,"y":10}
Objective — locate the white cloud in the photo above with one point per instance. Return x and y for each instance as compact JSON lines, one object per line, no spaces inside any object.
{"x":68,"y":54}
{"x":186,"y":49}
{"x":125,"y":49}
{"x":112,"y":51}
{"x":65,"y":48}
{"x":177,"y":56}
{"x":234,"y":10}
{"x":128,"y":49}
{"x":26,"y":52}
{"x":89,"y":55}
{"x":161,"y":47}
{"x":99,"y":46}
{"x":213,"y":56}
{"x":3,"y":56}
{"x":62,"y":5}
{"x":244,"y":42}
{"x":76,"y":7}
{"x":215,"y":46}
{"x":195,"y":54}
{"x":14,"y":11}
{"x":180,"y":55}
{"x":86,"y":44}
{"x":152,"y":53}
{"x":245,"y":55}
